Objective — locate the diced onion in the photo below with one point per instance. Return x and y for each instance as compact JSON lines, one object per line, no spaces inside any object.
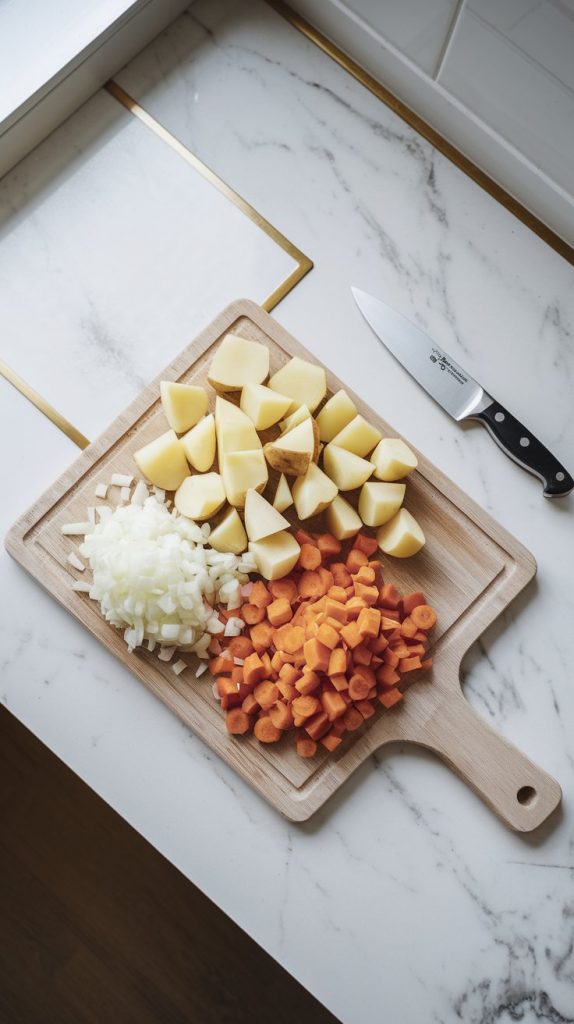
{"x":101,"y":490}
{"x":179,"y":667}
{"x":121,"y":480}
{"x":124,"y":494}
{"x":75,"y":562}
{"x":76,"y":529}
{"x":200,"y":670}
{"x":166,"y":653}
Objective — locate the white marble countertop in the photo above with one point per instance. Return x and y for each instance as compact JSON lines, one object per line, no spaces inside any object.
{"x":404,"y":899}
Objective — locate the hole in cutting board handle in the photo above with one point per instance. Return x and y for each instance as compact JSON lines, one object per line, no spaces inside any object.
{"x":526,"y":795}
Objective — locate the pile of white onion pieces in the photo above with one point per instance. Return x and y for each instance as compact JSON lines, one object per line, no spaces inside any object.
{"x":154,"y":574}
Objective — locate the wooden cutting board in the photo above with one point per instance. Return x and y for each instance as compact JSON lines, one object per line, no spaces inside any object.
{"x":470,"y":570}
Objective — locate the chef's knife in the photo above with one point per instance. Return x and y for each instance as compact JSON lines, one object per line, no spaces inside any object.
{"x":458,"y":394}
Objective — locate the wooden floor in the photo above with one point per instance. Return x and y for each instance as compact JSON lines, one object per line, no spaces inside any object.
{"x":96,"y":927}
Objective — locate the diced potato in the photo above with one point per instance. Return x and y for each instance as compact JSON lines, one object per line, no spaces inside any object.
{"x":263,"y":406}
{"x":380,"y":502}
{"x":200,"y":496}
{"x":261,"y":519}
{"x":230,"y":534}
{"x":292,"y":452}
{"x":304,"y":382}
{"x":283,"y":497}
{"x":275,"y":556}
{"x":183,"y":404}
{"x":393,"y":459}
{"x":401,"y":536}
{"x":313,"y":492}
{"x":335,"y":415}
{"x":238,"y":361}
{"x":297,"y":417}
{"x":235,"y":431}
{"x":163,"y":461}
{"x":199,"y":444}
{"x":242,"y":470}
{"x":345,"y":468}
{"x":358,"y":436}
{"x":341,"y":518}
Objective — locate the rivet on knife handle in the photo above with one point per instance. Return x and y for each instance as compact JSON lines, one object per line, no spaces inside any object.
{"x":525,"y":449}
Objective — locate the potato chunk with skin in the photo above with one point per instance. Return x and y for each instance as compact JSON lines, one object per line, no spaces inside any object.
{"x":261,"y":519}
{"x":345,"y":468}
{"x":163,"y":461}
{"x":200,"y":496}
{"x":335,"y":415}
{"x":304,"y":382}
{"x":402,"y":536}
{"x":275,"y":556}
{"x":199,"y":444}
{"x":263,"y":405}
{"x":313,"y":492}
{"x":238,"y":361}
{"x":183,"y":404}
{"x":380,"y":502}
{"x":341,"y":518}
{"x":297,"y":417}
{"x":393,"y":459}
{"x":283,"y":498}
{"x":229,"y":534}
{"x":358,"y":436}
{"x":292,"y":452}
{"x":242,"y":470}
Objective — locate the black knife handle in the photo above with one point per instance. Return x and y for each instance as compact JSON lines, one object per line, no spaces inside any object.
{"x":520,"y":445}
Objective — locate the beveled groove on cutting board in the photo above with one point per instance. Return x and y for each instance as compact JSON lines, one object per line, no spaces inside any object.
{"x":470,"y":570}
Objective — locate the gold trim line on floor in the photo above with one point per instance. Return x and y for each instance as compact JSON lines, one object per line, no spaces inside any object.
{"x":464,"y":163}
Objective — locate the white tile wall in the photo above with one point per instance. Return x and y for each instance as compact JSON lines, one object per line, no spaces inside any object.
{"x":418,"y":28}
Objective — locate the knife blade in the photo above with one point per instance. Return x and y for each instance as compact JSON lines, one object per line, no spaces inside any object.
{"x":459,"y":394}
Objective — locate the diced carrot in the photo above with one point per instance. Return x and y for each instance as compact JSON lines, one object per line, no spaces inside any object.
{"x":326,"y":577}
{"x":390,"y":658}
{"x":250,"y":705}
{"x":220,"y":665}
{"x":244,"y":689}
{"x":225,"y":686}
{"x":337,"y":594}
{"x":305,"y":706}
{"x":316,"y":655}
{"x":289,"y":674}
{"x":354,"y":607}
{"x":388,"y":625}
{"x":308,"y":682}
{"x":368,"y":545}
{"x":252,"y":614}
{"x":277,"y":662}
{"x":328,"y":636}
{"x":305,"y":746}
{"x":237,"y":674}
{"x":355,"y":559}
{"x":358,"y":687}
{"x":265,"y":731}
{"x":261,"y":636}
{"x":287,"y":690}
{"x":395,"y":637}
{"x":389,"y":596}
{"x":266,"y":693}
{"x":330,"y":741}
{"x":333,"y":705}
{"x":341,"y":575}
{"x":318,"y":725}
{"x":369,"y":594}
{"x":387,"y":676}
{"x":369,"y":622}
{"x":421,"y":635}
{"x":409,"y":664}
{"x":302,"y":537}
{"x":279,"y":612}
{"x":293,"y":639}
{"x":378,"y":644}
{"x":338,"y":727}
{"x":377,"y":568}
{"x":335,"y":623}
{"x":317,"y":606}
{"x":423,"y":616}
{"x":426,"y":664}
{"x":237,"y":722}
{"x":267,"y":664}
{"x":411,"y":601}
{"x":281,"y":715}
{"x":353,"y":719}
{"x":240,"y":647}
{"x":362,"y":655}
{"x":365,"y":708}
{"x":231,"y":700}
{"x":298,"y":720}
{"x":351,"y":634}
{"x":336,"y":610}
{"x":337,"y":662}
{"x":284,"y":588}
{"x":339,"y":681}
{"x":390,"y":697}
{"x":408,"y":628}
{"x":309,"y":557}
{"x":310,"y":584}
{"x":415,"y":649}
{"x":372,"y":693}
{"x":390,"y":613}
{"x":253,"y":669}
{"x":328,"y":545}
{"x":365,"y":575}
{"x":366,"y":673}
{"x":260,"y":595}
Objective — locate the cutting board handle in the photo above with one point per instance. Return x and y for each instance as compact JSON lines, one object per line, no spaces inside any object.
{"x":520,"y":792}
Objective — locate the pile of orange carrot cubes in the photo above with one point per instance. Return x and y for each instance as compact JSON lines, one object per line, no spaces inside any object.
{"x":321,"y":647}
